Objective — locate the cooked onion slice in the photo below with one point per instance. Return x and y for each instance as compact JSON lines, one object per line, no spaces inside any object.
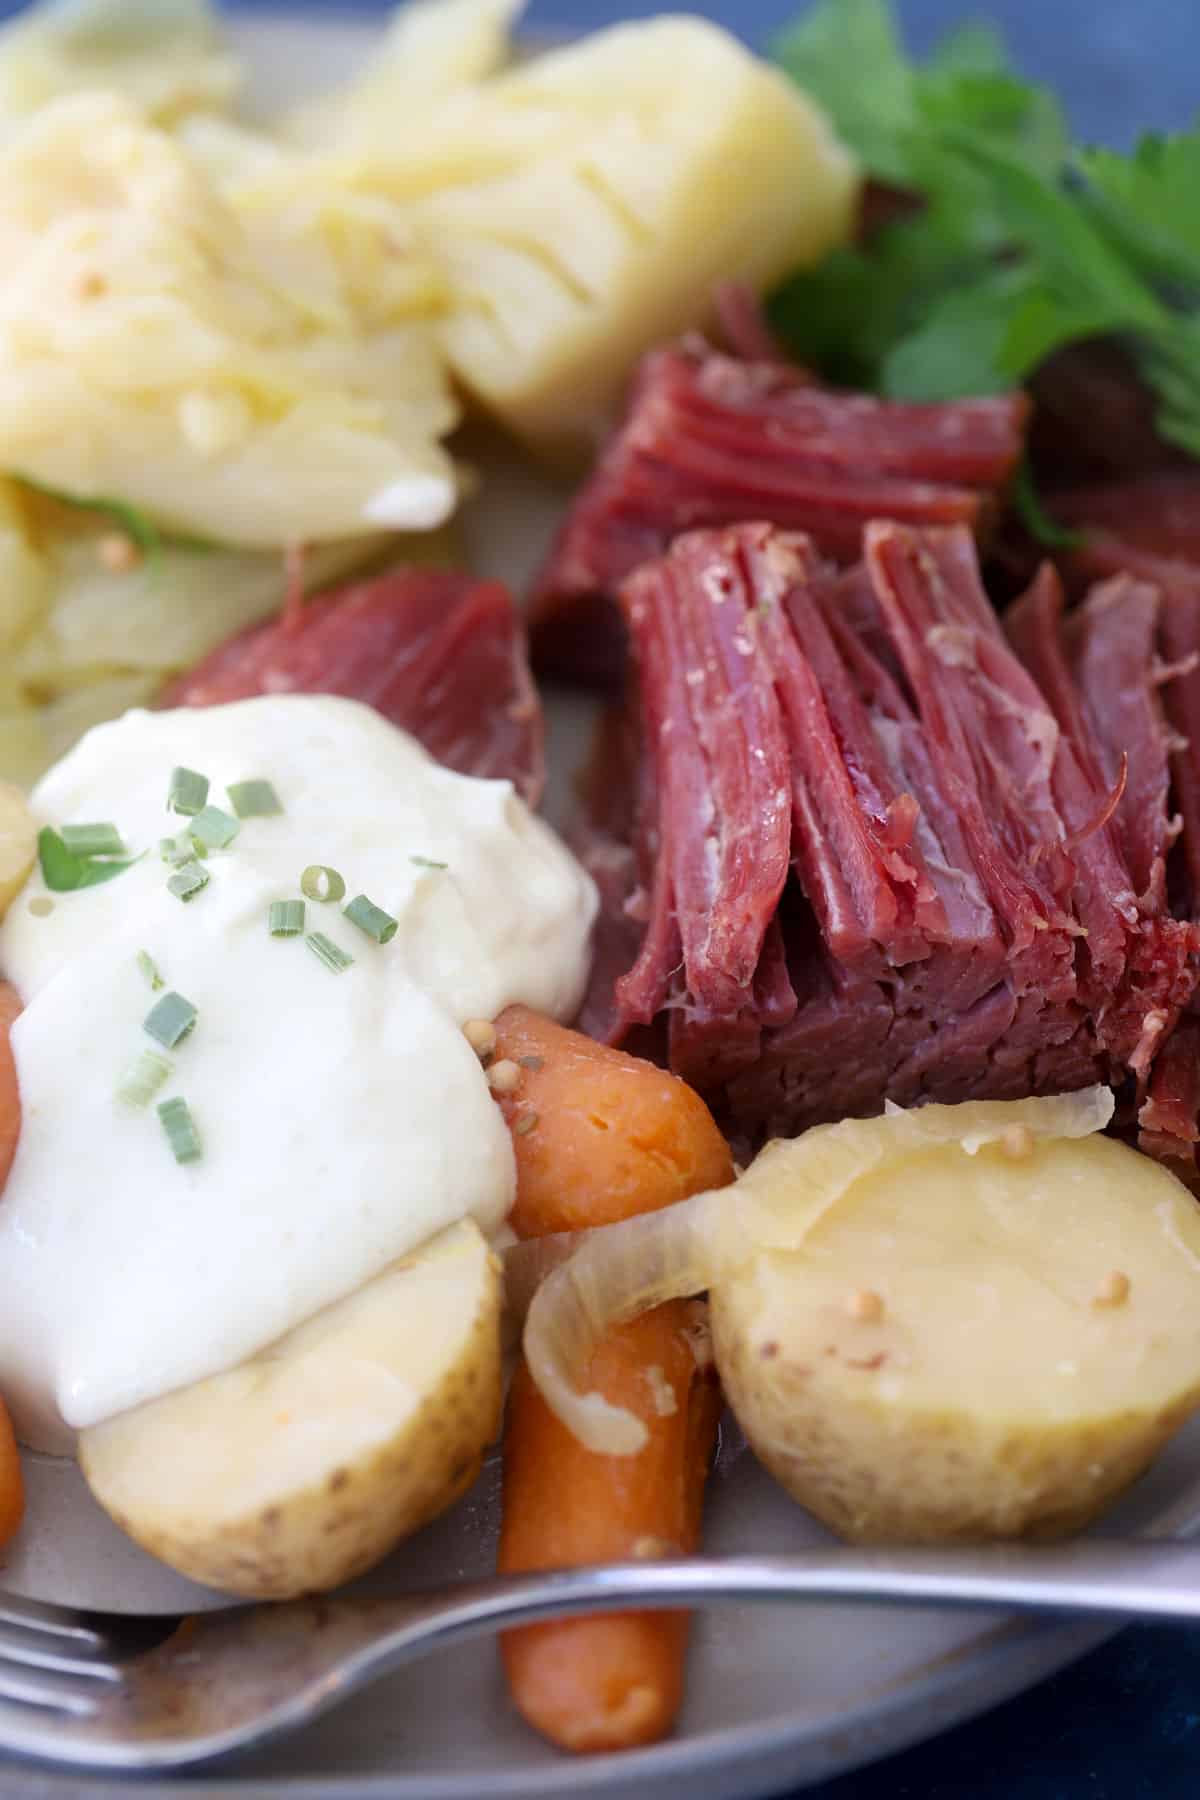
{"x":620,"y":1270}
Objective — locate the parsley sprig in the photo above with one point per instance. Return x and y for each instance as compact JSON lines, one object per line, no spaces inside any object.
{"x":1023,"y":242}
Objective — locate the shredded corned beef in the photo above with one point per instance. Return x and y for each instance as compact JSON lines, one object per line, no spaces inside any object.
{"x":710,"y":439}
{"x":876,"y":848}
{"x":1156,"y":515}
{"x":1143,"y":533}
{"x":438,"y":652}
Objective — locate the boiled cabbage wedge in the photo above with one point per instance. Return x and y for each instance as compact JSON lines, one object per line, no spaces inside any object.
{"x":167,"y":56}
{"x":584,"y":203}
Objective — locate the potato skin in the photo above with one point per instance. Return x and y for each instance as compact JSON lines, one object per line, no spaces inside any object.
{"x":951,"y":1477}
{"x":323,"y":1534}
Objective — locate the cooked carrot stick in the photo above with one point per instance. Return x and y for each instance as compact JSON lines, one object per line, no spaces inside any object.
{"x":12,"y":1489}
{"x":598,"y":1135}
{"x":614,"y":1681}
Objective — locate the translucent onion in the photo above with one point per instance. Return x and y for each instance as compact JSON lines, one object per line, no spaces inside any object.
{"x":618,"y":1272}
{"x":594,"y":1280}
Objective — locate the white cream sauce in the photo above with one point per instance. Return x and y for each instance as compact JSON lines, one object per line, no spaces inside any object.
{"x":344,"y":1118}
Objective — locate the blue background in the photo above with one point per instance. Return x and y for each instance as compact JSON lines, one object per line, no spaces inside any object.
{"x":1123,"y":1724}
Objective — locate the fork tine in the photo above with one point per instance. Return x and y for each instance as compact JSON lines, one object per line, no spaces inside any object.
{"x":26,"y":1649}
{"x":60,"y":1621}
{"x":48,"y":1692}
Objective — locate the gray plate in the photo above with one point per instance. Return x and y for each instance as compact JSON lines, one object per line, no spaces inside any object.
{"x":775,"y":1697}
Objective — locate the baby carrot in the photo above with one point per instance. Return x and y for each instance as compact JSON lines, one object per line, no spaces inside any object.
{"x":12,"y":1487}
{"x":616,"y":1680}
{"x":598,"y":1135}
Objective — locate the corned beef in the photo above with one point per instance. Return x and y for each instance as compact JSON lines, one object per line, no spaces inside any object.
{"x":437,"y":652}
{"x":710,"y":439}
{"x":873,"y":852}
{"x":1145,"y":530}
{"x":1094,"y":418}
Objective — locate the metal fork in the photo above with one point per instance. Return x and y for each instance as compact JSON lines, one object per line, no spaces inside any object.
{"x":106,"y":1690}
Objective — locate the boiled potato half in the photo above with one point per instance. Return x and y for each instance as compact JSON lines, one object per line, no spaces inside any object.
{"x":971,"y":1340}
{"x":959,"y":1323}
{"x":301,"y":1467}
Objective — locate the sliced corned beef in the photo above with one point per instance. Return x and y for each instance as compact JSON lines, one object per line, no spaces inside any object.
{"x":438,"y":652}
{"x":1094,"y":418}
{"x":710,"y":440}
{"x":1156,"y":514}
{"x":1168,"y":1116}
{"x":1143,"y":533}
{"x":877,"y":855}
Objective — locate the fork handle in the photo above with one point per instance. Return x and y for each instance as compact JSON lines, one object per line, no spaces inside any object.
{"x":239,"y":1677}
{"x":1108,"y":1578}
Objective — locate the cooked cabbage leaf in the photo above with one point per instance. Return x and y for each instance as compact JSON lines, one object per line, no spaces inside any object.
{"x":167,"y":56}
{"x":81,"y":642}
{"x":431,"y":47}
{"x":156,"y":349}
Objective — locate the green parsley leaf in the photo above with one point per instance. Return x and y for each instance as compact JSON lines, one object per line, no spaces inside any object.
{"x":847,"y":54}
{"x":958,"y":348}
{"x":1149,"y":203}
{"x":1071,"y":256}
{"x":1016,"y":243}
{"x":973,"y":48}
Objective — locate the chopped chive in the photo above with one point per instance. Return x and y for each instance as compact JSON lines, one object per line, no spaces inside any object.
{"x":188,"y":881}
{"x":170,"y":1020}
{"x":370,"y":918}
{"x":427,"y":862}
{"x":331,"y":954}
{"x":143,"y":1078}
{"x":176,"y":849}
{"x":180,"y":1127}
{"x":187,"y":791}
{"x":149,"y":968}
{"x":286,"y":918}
{"x":102,"y":839}
{"x":212,"y":829}
{"x":253,"y":799}
{"x":320,"y":883}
